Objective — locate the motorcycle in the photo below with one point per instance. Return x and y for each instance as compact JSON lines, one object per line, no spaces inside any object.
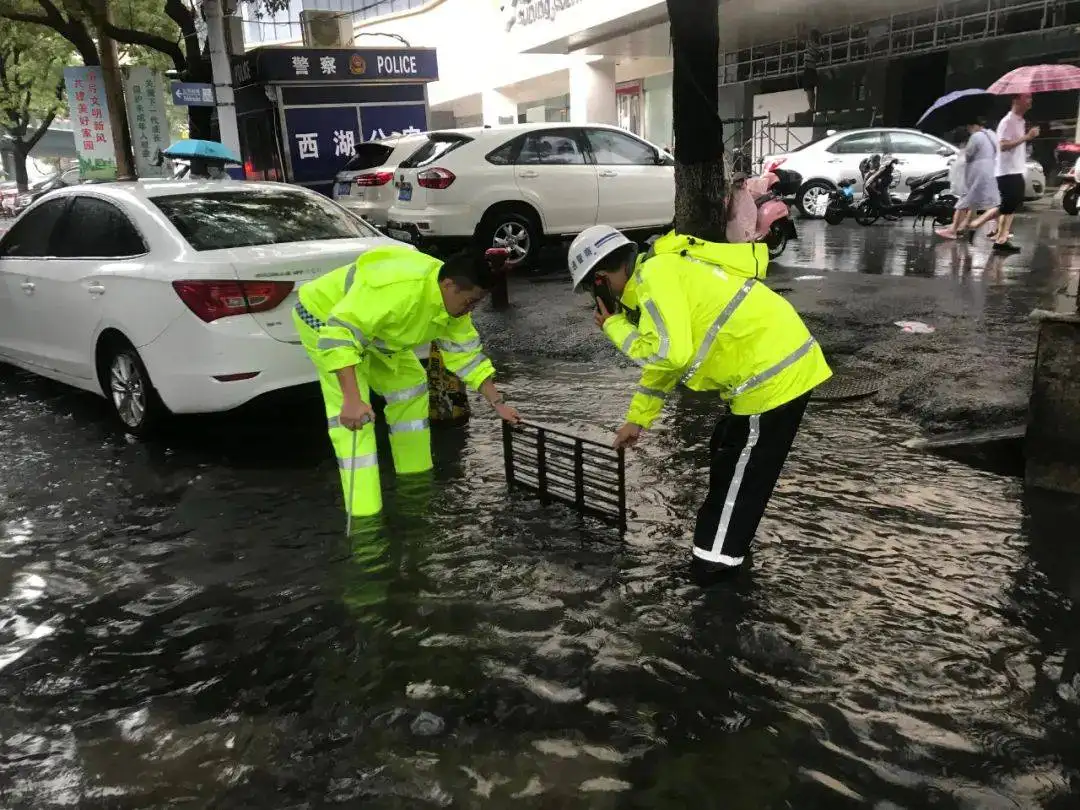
{"x":840,"y":204}
{"x":926,"y":199}
{"x":757,"y":212}
{"x":1070,"y":192}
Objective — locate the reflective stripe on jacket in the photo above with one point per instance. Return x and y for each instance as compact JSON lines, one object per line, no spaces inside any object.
{"x":714,"y":331}
{"x":389,"y":301}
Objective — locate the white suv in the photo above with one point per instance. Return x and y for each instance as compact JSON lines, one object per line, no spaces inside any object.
{"x":365,"y":184}
{"x":515,"y":186}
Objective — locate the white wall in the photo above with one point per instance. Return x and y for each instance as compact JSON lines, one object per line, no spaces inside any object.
{"x":475,"y":53}
{"x":780,"y":106}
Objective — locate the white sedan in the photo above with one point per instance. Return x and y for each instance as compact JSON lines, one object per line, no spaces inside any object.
{"x":169,"y":297}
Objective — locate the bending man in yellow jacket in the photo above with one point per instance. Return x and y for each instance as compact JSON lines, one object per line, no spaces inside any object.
{"x":360,"y":325}
{"x":705,"y":320}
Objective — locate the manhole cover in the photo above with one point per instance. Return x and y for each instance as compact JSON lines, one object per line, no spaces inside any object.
{"x":849,"y":384}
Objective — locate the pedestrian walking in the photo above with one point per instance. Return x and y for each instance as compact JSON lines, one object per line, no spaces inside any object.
{"x":1013,"y":138}
{"x":703,"y":319}
{"x":980,"y":190}
{"x":361,"y":324}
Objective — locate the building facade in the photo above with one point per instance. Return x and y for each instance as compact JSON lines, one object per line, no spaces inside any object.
{"x":789,"y":72}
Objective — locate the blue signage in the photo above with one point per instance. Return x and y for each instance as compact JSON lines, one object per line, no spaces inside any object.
{"x":380,"y":122}
{"x":321,"y":141}
{"x":417,"y":65}
{"x":191,"y":94}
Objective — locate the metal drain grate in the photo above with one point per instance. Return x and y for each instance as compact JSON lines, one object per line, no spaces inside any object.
{"x":848,"y":384}
{"x":587,"y":475}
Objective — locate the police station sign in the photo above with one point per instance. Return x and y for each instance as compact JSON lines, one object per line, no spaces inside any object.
{"x":338,"y":65}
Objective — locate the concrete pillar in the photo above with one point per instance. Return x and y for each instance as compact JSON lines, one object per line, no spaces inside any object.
{"x":1052,"y":447}
{"x":592,"y":93}
{"x":498,"y":108}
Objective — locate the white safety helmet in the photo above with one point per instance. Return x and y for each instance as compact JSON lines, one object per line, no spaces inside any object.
{"x":590,"y":246}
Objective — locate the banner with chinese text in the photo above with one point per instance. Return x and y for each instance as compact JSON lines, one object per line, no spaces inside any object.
{"x":90,"y":122}
{"x":149,"y":127}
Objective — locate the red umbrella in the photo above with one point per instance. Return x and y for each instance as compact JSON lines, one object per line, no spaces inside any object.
{"x":1037,"y":79}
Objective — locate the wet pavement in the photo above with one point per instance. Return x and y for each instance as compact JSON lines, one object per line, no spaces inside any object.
{"x":182,"y":623}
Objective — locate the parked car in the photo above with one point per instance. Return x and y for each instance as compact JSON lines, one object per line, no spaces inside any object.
{"x":516,"y":186}
{"x":366,"y":184}
{"x":824,"y":163}
{"x":169,"y":297}
{"x":71,"y":177}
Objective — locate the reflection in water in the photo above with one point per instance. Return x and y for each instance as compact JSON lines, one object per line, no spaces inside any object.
{"x":904,"y":639}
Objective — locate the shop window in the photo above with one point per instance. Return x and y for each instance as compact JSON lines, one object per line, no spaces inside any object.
{"x":616,"y":149}
{"x":555,"y":148}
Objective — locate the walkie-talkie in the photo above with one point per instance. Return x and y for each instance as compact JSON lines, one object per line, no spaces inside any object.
{"x":602,"y":292}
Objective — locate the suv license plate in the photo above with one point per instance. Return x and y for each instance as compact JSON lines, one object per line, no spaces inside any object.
{"x":401,"y":236}
{"x":405,"y":192}
{"x":344,"y":189}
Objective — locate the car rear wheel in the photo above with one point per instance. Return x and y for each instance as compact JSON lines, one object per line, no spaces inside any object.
{"x":809,"y":194}
{"x":515,"y":232}
{"x":134,"y":400}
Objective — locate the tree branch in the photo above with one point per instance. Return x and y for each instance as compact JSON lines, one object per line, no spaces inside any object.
{"x":41,"y":130}
{"x":184,"y":17}
{"x":129,"y":36}
{"x":30,"y":19}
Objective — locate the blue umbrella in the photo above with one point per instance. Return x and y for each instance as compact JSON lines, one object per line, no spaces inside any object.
{"x":207,"y":150}
{"x":955,"y":109}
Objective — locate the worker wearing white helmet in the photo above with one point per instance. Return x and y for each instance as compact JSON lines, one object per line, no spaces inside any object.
{"x":695,"y":312}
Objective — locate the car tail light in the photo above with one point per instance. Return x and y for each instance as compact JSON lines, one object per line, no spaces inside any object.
{"x":775,"y":164}
{"x":374,"y":179}
{"x":436,"y":178}
{"x":211,"y":300}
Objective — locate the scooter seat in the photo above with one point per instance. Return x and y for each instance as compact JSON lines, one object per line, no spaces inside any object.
{"x":925,"y":178}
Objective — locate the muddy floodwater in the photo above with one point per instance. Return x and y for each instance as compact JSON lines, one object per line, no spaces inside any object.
{"x":182,"y":624}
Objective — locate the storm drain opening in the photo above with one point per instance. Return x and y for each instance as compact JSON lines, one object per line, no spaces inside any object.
{"x":849,"y":384}
{"x":555,"y":466}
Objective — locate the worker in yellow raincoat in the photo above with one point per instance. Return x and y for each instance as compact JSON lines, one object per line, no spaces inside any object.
{"x":361,"y":323}
{"x":702,"y":317}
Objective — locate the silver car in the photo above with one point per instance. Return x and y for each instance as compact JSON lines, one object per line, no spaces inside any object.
{"x":366,"y":184}
{"x":836,"y":157}
{"x":824,"y":163}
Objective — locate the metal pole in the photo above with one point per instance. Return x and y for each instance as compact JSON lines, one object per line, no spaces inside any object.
{"x":352,"y":483}
{"x":221,"y":72}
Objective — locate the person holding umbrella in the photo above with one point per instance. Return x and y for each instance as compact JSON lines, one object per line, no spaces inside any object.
{"x":980,"y":183}
{"x":1013,"y":137}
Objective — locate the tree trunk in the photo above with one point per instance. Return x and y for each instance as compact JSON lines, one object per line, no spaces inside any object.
{"x":114,"y":94}
{"x":200,"y":123}
{"x":19,"y":152}
{"x":700,"y":186}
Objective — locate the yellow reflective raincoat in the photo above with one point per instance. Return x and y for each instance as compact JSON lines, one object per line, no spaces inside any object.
{"x":371,"y":315}
{"x":709,"y":323}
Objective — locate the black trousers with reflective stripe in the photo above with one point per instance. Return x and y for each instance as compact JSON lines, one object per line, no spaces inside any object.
{"x":748,"y":453}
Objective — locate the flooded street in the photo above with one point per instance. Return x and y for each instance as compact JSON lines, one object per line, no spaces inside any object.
{"x":182,"y":623}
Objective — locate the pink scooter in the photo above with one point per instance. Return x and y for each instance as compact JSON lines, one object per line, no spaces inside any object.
{"x":757,"y":214}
